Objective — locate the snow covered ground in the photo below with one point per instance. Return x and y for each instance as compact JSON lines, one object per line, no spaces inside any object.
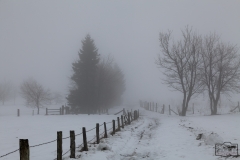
{"x":153,"y":136}
{"x":41,"y":128}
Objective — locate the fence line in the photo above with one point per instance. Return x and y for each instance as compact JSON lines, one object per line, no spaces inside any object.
{"x":127,"y":118}
{"x":150,"y":107}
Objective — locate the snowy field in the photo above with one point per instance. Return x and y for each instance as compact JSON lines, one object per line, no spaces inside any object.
{"x":153,"y":136}
{"x":41,"y":128}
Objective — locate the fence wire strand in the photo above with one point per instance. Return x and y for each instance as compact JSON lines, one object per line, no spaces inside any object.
{"x":91,"y":139}
{"x":9,"y":153}
{"x":110,"y":129}
{"x":102,"y":133}
{"x":66,"y":152}
{"x":43,"y":143}
{"x":66,"y":137}
{"x":78,"y":134}
{"x":91,"y":129}
{"x":79,"y":145}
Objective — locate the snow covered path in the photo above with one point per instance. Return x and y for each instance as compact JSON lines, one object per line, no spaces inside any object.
{"x":131,"y":143}
{"x":153,"y":137}
{"x":175,"y":142}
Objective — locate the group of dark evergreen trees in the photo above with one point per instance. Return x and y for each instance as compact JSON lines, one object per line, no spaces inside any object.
{"x":97,"y":83}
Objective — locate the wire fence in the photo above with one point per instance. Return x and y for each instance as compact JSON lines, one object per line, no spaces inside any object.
{"x":101,"y":136}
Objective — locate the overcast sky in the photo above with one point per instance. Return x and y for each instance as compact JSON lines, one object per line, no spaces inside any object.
{"x":41,"y":39}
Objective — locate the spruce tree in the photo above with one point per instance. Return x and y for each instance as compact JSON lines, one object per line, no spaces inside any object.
{"x":82,"y":95}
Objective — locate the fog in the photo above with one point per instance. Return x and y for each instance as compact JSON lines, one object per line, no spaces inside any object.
{"x":41,"y":39}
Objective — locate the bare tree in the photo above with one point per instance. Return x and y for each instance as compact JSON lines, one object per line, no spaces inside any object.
{"x":180,"y":61}
{"x":6,"y":91}
{"x":220,"y":69}
{"x":34,"y":94}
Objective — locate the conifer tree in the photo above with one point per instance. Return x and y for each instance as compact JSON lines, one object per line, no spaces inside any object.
{"x":82,"y":95}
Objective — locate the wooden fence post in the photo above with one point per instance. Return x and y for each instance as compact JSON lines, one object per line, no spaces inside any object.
{"x":59,"y":145}
{"x":118,"y":119}
{"x":113,"y":123}
{"x":24,"y":149}
{"x":156,"y":108}
{"x":85,"y":147}
{"x":63,"y":109}
{"x":105,"y":130}
{"x":122,"y":121}
{"x":169,"y":110}
{"x":124,"y":112}
{"x":18,"y":112}
{"x":138,"y":113}
{"x":72,"y":144}
{"x":97,"y":132}
{"x":129,"y":120}
{"x":130,"y":115}
{"x":46,"y":111}
{"x":193,"y":108}
{"x":134,"y":115}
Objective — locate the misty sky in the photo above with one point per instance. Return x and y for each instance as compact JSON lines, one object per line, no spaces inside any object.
{"x":41,"y":39}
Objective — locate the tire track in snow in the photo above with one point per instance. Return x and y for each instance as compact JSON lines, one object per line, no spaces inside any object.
{"x":135,"y":145}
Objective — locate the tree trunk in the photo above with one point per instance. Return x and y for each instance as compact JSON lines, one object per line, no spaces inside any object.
{"x":183,"y":113}
{"x":186,"y":100}
{"x":184,"y":110}
{"x":211,"y":106}
{"x":214,"y":111}
{"x":214,"y":103}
